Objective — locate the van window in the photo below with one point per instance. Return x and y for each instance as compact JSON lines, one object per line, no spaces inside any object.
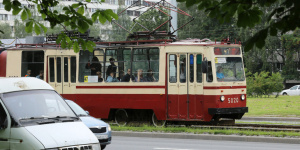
{"x":3,"y":114}
{"x":36,"y":103}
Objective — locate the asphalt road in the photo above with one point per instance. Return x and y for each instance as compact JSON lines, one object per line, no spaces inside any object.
{"x":145,"y":143}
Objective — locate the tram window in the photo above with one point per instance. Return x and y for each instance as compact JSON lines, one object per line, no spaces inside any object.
{"x":182,"y":69}
{"x":85,"y":59}
{"x":73,"y":69}
{"x":209,"y":75}
{"x":34,"y":61}
{"x":191,"y":68}
{"x":146,"y":59}
{"x":199,"y":68}
{"x":58,"y":69}
{"x":117,"y":61}
{"x":51,"y":71}
{"x":66,"y":71}
{"x":172,"y":69}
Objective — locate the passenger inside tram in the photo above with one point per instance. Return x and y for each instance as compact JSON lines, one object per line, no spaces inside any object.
{"x":150,"y":77}
{"x":126,"y":78}
{"x":95,"y":66}
{"x":100,"y":79}
{"x":111,"y":78}
{"x":112,"y":68}
{"x":140,"y":77}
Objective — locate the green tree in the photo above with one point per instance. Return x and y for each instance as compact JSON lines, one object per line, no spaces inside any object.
{"x":72,"y":16}
{"x":119,"y":34}
{"x":5,"y":27}
{"x":150,"y":20}
{"x":283,"y":17}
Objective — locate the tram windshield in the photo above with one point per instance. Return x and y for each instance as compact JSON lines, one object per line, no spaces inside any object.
{"x":229,"y":69}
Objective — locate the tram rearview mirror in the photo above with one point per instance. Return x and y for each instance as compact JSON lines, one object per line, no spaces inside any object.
{"x":204,"y":65}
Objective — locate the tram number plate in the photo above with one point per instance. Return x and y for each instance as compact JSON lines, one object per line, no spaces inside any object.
{"x":102,"y":136}
{"x":233,"y":100}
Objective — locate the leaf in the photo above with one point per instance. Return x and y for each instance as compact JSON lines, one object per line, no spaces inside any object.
{"x":76,"y":47}
{"x":101,"y":18}
{"x":43,"y":27}
{"x":24,"y":15}
{"x":80,"y":10}
{"x":37,"y":29}
{"x":75,"y":5}
{"x":7,"y":6}
{"x":29,"y":26}
{"x":44,"y":16}
{"x":16,"y":11}
{"x":111,"y":13}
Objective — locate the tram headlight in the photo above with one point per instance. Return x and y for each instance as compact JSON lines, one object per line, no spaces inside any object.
{"x":222,"y":98}
{"x":243,"y":97}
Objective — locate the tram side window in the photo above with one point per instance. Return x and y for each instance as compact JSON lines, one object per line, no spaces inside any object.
{"x":182,"y":68}
{"x":173,"y":69}
{"x":191,"y":68}
{"x":145,"y":65}
{"x":51,"y":70}
{"x":32,"y":63}
{"x":209,"y":75}
{"x":66,"y":66}
{"x":118,"y":61}
{"x":90,"y":64}
{"x":199,"y":68}
{"x":73,"y":69}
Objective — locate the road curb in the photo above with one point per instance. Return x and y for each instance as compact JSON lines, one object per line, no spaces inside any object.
{"x":287,"y":119}
{"x":208,"y":137}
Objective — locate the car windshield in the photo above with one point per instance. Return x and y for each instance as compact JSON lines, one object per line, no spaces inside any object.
{"x":229,"y":69}
{"x":76,"y":108}
{"x":36,"y":104}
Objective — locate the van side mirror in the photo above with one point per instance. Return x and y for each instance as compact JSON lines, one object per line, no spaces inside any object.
{"x":204,"y":65}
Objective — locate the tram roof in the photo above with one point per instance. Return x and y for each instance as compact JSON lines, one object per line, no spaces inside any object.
{"x":137,"y":43}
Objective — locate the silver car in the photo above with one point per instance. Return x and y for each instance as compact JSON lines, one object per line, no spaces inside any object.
{"x":101,"y":129}
{"x":293,"y":91}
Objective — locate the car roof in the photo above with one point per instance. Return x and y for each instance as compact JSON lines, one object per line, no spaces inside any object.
{"x":21,"y":84}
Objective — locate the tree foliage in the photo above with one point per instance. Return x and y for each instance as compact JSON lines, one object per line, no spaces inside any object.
{"x":71,"y":17}
{"x":150,"y":20}
{"x":5,"y":27}
{"x":263,"y":83}
{"x":20,"y":30}
{"x":281,"y":19}
{"x":119,"y":34}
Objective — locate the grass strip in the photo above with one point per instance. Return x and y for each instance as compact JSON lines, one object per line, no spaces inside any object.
{"x":247,"y":132}
{"x":264,"y":122}
{"x":283,"y":106}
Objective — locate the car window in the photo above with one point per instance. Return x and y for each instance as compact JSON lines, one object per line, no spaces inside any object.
{"x":294,"y":87}
{"x":298,"y":87}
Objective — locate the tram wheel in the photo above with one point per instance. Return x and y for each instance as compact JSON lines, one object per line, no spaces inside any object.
{"x":121,"y":117}
{"x":157,"y":123}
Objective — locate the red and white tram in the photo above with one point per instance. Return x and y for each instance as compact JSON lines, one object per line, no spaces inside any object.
{"x":192,"y":80}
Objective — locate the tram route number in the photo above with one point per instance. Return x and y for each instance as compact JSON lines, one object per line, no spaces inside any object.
{"x":233,"y":100}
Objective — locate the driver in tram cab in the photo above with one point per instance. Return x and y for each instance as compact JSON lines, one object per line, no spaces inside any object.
{"x":220,"y":74}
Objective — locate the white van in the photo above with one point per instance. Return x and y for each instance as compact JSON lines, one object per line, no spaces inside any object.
{"x":34,"y":116}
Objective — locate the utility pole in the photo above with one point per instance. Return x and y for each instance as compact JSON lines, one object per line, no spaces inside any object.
{"x":174,"y":17}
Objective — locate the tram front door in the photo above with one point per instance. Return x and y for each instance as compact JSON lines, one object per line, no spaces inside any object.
{"x":62,"y":73}
{"x":185,"y":87}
